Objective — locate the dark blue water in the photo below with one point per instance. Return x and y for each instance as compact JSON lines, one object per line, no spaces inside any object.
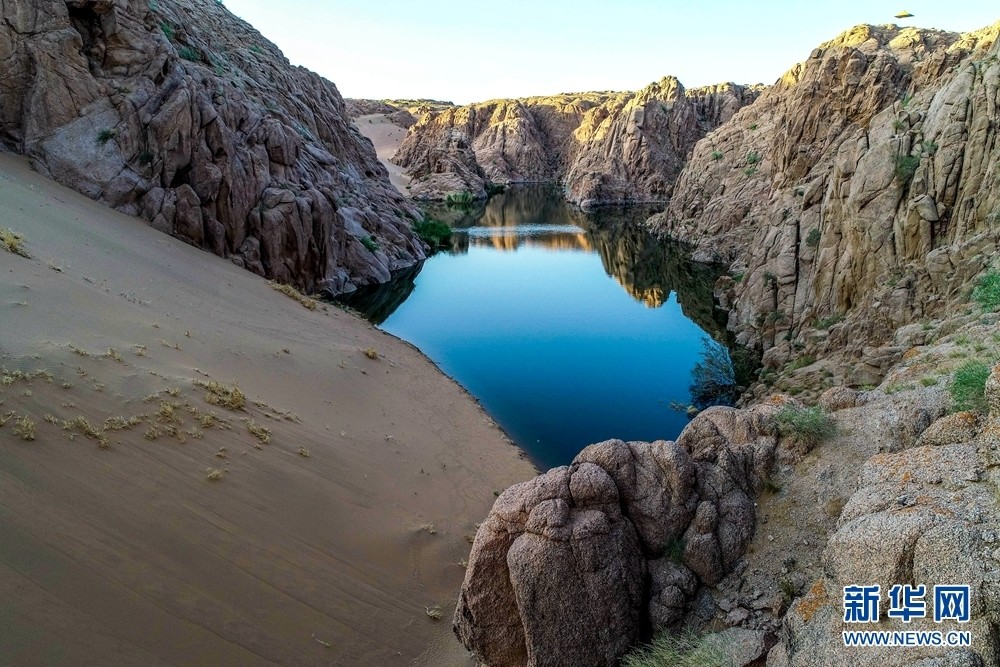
{"x":569,"y":329}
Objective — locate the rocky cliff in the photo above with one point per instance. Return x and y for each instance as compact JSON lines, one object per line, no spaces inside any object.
{"x":603,"y":147}
{"x":856,"y":202}
{"x":181,"y":113}
{"x":858,"y":194}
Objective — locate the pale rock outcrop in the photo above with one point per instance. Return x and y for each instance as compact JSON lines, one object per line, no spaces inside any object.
{"x":603,"y":147}
{"x":570,"y":567}
{"x":921,"y":516}
{"x":183,"y":114}
{"x":863,"y":186}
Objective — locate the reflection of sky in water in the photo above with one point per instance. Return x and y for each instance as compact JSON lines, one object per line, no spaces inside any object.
{"x":521,"y":230}
{"x":554,"y":348}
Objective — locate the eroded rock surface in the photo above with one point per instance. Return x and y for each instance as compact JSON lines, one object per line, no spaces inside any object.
{"x":183,"y":114}
{"x":604,"y":147}
{"x":573,"y":566}
{"x":857,"y":195}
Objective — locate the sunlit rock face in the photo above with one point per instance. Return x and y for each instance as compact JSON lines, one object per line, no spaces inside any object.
{"x":863,"y":186}
{"x":604,"y":147}
{"x":183,"y":114}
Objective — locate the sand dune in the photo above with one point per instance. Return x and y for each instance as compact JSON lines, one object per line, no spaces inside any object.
{"x":330,"y":554}
{"x":386,"y":136}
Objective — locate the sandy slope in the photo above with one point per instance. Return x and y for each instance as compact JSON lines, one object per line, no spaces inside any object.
{"x":386,"y":136}
{"x":131,"y":555}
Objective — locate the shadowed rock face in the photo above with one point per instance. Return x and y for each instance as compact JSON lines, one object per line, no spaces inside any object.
{"x":570,"y":567}
{"x":863,"y":185}
{"x":186,"y":116}
{"x":604,"y":147}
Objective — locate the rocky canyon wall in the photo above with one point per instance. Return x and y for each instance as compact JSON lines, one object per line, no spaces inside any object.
{"x":179,"y":112}
{"x":858,"y":194}
{"x":604,"y":147}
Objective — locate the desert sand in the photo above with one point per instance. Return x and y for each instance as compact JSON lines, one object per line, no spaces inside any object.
{"x":386,"y":136}
{"x":331,"y":544}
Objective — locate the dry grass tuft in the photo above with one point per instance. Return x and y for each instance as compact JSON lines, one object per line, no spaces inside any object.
{"x":371,"y":353}
{"x":13,"y":242}
{"x":24,"y":428}
{"x":303,"y":452}
{"x":434,"y":613}
{"x":293,"y":293}
{"x":214,"y":474}
{"x":80,"y":425}
{"x":167,"y":413}
{"x":262,"y":433}
{"x":219,"y":394}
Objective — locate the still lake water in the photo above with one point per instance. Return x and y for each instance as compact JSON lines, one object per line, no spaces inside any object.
{"x":569,"y":328}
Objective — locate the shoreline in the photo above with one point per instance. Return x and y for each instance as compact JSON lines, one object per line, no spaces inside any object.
{"x":350,"y":486}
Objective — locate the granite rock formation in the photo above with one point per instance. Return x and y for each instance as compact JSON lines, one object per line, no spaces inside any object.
{"x":861,"y":190}
{"x":603,"y":147}
{"x":179,"y":112}
{"x":570,"y":567}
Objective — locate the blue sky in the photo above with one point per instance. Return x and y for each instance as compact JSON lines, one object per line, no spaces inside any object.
{"x":468,"y":51}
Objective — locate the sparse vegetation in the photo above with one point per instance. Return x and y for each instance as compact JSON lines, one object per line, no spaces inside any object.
{"x":24,"y":428}
{"x":771,"y":486}
{"x":106,"y":135}
{"x":188,"y":53}
{"x":750,"y":171}
{"x":805,"y":426}
{"x":230,"y":398}
{"x":717,"y":155}
{"x":434,"y":233}
{"x":669,"y":650}
{"x":493,"y":189}
{"x":898,"y":125}
{"x":753,"y":157}
{"x":968,"y":390}
{"x":827,"y":322}
{"x":262,"y":433}
{"x":802,"y":362}
{"x":928,"y":381}
{"x":369,"y":243}
{"x":906,"y":167}
{"x":987,"y":291}
{"x":813,"y":237}
{"x":12,"y":242}
{"x":463,"y":198}
{"x":293,"y":293}
{"x":214,"y":474}
{"x":371,"y":353}
{"x":168,"y":30}
{"x":434,"y":613}
{"x":80,"y":425}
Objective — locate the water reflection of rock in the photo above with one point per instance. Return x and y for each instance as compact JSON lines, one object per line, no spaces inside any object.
{"x":650,"y":270}
{"x":647,"y":269}
{"x":378,"y":302}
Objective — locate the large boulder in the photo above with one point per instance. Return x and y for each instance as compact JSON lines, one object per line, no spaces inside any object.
{"x":572,"y":567}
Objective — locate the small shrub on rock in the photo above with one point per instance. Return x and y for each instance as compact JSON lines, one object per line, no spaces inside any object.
{"x":806,"y":427}
{"x":987,"y":291}
{"x":676,"y":651}
{"x":968,"y":390}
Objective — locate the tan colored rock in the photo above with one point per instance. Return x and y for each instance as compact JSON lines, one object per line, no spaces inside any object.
{"x":570,"y":566}
{"x":604,"y":147}
{"x":206,"y":131}
{"x":860,"y":185}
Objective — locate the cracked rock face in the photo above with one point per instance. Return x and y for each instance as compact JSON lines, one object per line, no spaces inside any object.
{"x":862,"y":188}
{"x":573,"y":566}
{"x":184,"y":115}
{"x":926,"y":515}
{"x":604,"y":147}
